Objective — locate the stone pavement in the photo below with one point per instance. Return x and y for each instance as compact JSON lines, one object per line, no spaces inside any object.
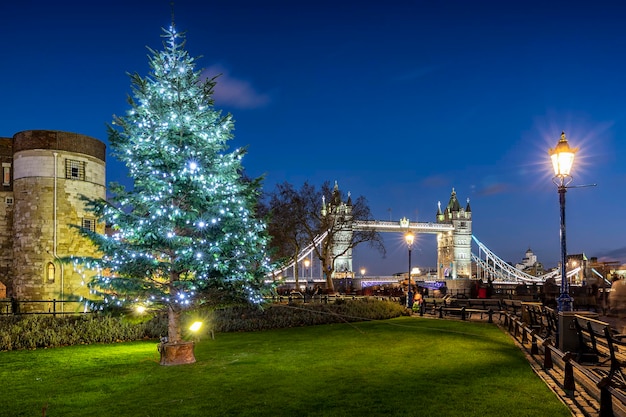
{"x":579,"y":402}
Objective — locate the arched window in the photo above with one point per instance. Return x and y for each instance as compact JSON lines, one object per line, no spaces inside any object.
{"x":50,"y":273}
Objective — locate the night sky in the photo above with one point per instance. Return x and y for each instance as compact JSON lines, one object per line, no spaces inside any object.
{"x":398,"y":101}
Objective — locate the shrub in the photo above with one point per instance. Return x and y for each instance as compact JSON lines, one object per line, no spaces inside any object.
{"x":39,"y":331}
{"x":275,"y":316}
{"x":31,"y":332}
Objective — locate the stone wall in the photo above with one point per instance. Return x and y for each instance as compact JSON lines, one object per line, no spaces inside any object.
{"x":46,"y":205}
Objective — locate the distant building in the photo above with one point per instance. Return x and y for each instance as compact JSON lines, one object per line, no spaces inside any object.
{"x":530,"y":265}
{"x":575,"y":261}
{"x":45,"y":175}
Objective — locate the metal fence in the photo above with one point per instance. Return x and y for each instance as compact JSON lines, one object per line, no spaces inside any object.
{"x":54,"y":307}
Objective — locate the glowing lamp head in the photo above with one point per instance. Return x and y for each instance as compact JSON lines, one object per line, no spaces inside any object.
{"x":195,"y":326}
{"x":307,"y":263}
{"x":409,"y":238}
{"x":140,"y":309}
{"x":562,"y":157}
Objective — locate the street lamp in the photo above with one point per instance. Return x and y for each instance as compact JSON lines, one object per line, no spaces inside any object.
{"x":562,"y":160}
{"x":362,"y":272}
{"x":307,"y":262}
{"x":409,"y":237}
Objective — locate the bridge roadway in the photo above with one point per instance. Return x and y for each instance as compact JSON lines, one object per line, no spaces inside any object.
{"x":383,"y":226}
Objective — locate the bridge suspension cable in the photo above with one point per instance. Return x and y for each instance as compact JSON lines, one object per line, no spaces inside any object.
{"x":306,"y":251}
{"x":504,"y":272}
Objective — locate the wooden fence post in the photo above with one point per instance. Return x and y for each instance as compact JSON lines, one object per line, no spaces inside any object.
{"x":547,"y":357}
{"x":569,"y":383}
{"x":534,"y":349}
{"x":606,"y":399}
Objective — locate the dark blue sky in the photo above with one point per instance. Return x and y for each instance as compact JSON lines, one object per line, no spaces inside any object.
{"x":398,"y":101}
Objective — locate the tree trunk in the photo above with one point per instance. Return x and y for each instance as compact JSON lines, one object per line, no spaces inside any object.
{"x":180,"y":353}
{"x":173,"y":325}
{"x":175,"y":351}
{"x":329,"y":282}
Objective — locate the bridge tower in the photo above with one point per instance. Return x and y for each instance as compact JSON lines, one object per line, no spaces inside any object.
{"x":454,"y":248}
{"x":341,"y":215}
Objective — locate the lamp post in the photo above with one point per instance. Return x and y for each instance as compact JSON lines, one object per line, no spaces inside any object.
{"x":362,"y":272}
{"x":409,"y":237}
{"x":562,"y":157}
{"x":307,"y":262}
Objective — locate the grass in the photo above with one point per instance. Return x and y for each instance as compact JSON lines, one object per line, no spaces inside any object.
{"x":404,"y":366}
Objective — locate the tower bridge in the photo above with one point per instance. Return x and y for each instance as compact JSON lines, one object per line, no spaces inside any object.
{"x":455,"y":240}
{"x":453,"y":227}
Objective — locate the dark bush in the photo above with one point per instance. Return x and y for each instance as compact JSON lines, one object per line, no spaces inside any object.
{"x":38,"y":331}
{"x":274,"y":316}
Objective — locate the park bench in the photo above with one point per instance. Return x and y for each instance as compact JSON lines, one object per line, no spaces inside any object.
{"x":599,"y":349}
{"x":430,"y":305}
{"x":533,"y":316}
{"x":453,"y":306}
{"x":483,"y":306}
{"x":551,"y":322}
{"x":465,"y":307}
{"x":512,"y":307}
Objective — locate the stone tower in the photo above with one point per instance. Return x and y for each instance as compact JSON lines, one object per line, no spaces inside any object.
{"x":47,"y":172}
{"x":341,"y":212}
{"x":454,"y":249}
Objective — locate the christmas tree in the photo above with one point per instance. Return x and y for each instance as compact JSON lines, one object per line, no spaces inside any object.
{"x":186,"y":233}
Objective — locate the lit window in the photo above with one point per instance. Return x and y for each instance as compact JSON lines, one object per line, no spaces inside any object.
{"x":6,"y":173}
{"x":50,"y":272}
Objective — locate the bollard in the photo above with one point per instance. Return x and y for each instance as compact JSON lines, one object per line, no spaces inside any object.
{"x":606,"y":399}
{"x":569,"y":384}
{"x":422,"y":307}
{"x":440,"y":312}
{"x":547,"y":358}
{"x":462,"y":313}
{"x":490,"y":313}
{"x":524,"y":336}
{"x":534,"y":349}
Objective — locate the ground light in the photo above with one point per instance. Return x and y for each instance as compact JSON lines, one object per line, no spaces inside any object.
{"x":195,"y":326}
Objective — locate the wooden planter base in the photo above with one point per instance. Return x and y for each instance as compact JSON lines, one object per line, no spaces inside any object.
{"x":176,"y":353}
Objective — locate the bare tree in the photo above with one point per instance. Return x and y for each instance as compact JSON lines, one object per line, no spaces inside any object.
{"x":286,"y":217}
{"x":298,"y":217}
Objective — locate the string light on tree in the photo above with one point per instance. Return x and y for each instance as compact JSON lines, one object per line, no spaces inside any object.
{"x":187,"y":231}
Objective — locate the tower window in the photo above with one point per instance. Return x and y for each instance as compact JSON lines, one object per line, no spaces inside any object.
{"x":50,"y":272}
{"x":74,"y":170}
{"x":89,"y":224}
{"x":6,"y":173}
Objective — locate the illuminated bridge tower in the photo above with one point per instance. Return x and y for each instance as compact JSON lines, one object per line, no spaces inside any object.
{"x":454,"y":250}
{"x":341,"y":213}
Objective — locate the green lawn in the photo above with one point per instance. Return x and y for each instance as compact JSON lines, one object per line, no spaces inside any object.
{"x":407,"y":366}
